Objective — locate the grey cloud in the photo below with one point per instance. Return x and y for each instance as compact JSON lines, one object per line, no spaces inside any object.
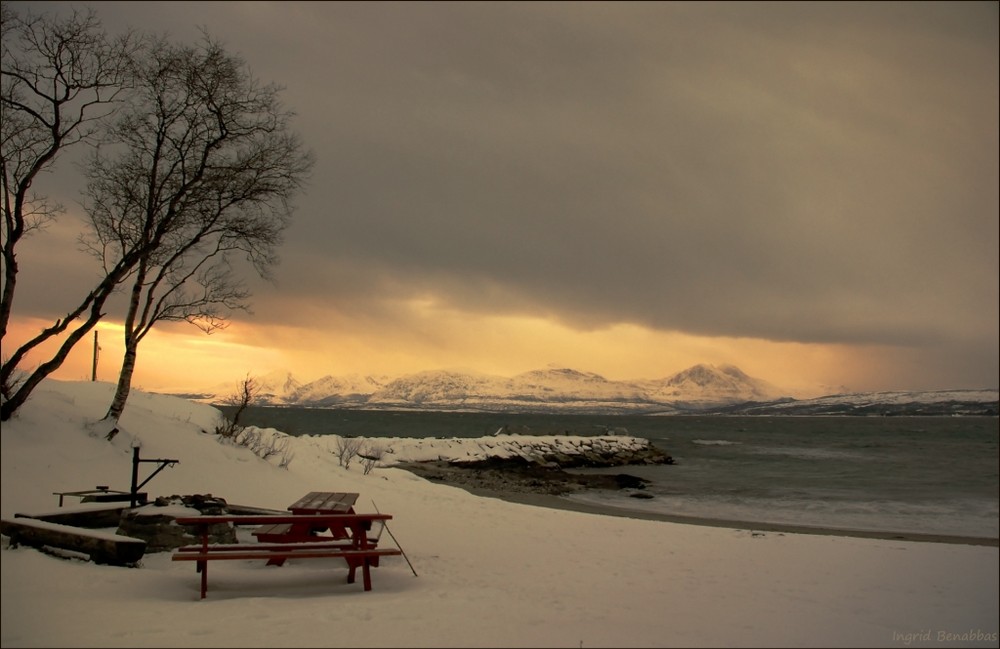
{"x":791,"y":171}
{"x":713,"y":174}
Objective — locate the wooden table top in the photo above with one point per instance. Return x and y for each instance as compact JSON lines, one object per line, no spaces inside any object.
{"x":317,"y":502}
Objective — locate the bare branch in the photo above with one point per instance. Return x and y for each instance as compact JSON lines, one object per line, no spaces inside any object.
{"x":204,"y":173}
{"x":59,"y":79}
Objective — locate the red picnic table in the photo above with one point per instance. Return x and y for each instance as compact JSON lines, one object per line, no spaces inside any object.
{"x":296,"y":535}
{"x":325,"y":502}
{"x":314,"y":502}
{"x":356,"y":549}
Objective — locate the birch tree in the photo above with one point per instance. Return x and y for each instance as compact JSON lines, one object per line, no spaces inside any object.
{"x":206,"y":168}
{"x":192,"y":184}
{"x":59,"y":78}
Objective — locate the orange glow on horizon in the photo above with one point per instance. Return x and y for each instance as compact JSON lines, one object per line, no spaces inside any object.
{"x":176,"y":358}
{"x":181,"y":358}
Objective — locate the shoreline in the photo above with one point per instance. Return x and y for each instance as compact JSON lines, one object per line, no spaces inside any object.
{"x":559,"y":502}
{"x":544,"y":493}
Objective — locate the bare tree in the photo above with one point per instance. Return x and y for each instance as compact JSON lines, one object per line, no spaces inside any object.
{"x":59,"y":79}
{"x":199,"y":168}
{"x":10,"y":385}
{"x":371,"y":455}
{"x":206,"y":159}
{"x":245,"y":396}
{"x":264,"y":444}
{"x":345,"y":448}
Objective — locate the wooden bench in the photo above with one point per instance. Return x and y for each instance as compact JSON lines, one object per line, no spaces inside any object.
{"x":100,"y":547}
{"x":275,"y":533}
{"x":102,"y":494}
{"x":86,"y":516}
{"x":272,"y":547}
{"x":286,"y":533}
{"x":365,"y":559}
{"x":357,"y":550}
{"x":278,"y":549}
{"x":274,"y":529}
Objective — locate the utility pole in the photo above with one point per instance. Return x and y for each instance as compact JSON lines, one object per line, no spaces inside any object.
{"x":97,"y":353}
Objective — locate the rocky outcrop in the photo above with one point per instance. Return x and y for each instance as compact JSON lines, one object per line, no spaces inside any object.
{"x":537,"y":465}
{"x":516,"y":475}
{"x":570,"y":451}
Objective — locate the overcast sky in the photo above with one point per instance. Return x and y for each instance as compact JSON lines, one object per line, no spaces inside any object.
{"x":808,"y":191}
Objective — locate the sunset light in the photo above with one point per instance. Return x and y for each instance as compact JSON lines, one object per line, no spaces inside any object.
{"x":810,"y":195}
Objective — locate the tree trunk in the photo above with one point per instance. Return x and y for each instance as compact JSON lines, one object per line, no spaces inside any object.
{"x":24,"y":390}
{"x":124,"y":385}
{"x":94,"y":302}
{"x":10,"y":279}
{"x":132,"y":338}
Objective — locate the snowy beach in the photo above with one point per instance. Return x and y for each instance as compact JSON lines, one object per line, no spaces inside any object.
{"x":928,"y":475}
{"x":536,"y":495}
{"x":492,"y":573}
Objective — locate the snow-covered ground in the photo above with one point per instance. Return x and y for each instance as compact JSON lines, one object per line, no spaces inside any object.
{"x":491,"y":573}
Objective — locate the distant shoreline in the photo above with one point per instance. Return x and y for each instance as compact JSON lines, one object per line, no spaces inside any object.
{"x":538,"y":495}
{"x":560,"y":502}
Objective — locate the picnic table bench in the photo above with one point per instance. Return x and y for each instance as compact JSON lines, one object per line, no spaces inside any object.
{"x":100,"y":547}
{"x":353,"y":545}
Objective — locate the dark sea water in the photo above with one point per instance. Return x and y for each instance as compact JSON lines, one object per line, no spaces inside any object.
{"x":937,"y":475}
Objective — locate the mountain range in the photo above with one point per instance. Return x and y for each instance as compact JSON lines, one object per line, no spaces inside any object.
{"x":703,"y":389}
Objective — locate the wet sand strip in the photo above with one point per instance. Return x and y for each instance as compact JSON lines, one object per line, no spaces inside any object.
{"x":509,"y":486}
{"x":561,"y":502}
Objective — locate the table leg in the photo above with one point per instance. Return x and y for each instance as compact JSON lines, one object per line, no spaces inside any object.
{"x":366,"y":571}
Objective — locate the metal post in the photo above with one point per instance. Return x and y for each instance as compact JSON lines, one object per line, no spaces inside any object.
{"x":97,"y":350}
{"x":385,"y":526}
{"x":135,"y":476}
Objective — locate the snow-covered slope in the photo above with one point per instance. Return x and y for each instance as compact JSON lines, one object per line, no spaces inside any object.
{"x":491,"y":572}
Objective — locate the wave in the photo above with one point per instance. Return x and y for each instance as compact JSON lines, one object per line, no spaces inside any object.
{"x":963,"y":517}
{"x":811,"y":453}
{"x":715,"y":442}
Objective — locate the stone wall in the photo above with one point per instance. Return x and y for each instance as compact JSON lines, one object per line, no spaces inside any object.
{"x":155,"y":523}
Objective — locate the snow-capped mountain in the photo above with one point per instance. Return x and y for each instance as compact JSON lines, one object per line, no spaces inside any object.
{"x":711,"y":384}
{"x":437,"y":387}
{"x":708,"y":389}
{"x":562,"y":383}
{"x":336,"y":390}
{"x":551,"y":389}
{"x":273,"y":387}
{"x":554,"y":389}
